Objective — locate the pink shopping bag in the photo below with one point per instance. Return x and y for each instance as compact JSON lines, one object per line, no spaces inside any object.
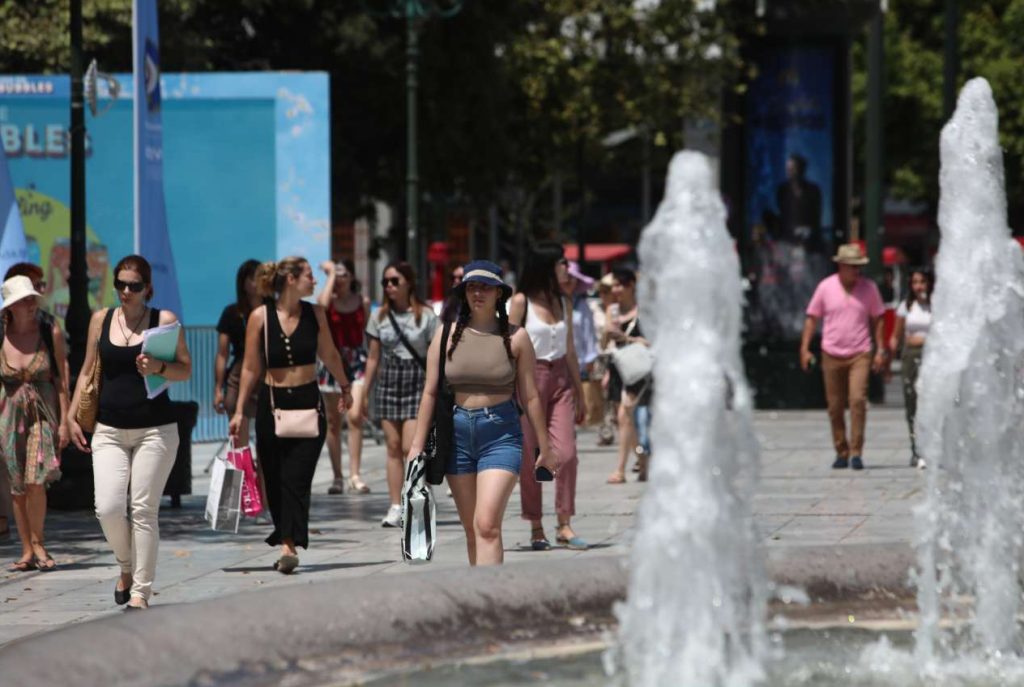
{"x":241,"y":458}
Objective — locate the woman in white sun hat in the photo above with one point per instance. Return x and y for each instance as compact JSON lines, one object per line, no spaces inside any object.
{"x":33,"y":403}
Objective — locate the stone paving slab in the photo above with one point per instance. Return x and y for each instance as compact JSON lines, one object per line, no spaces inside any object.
{"x":801,"y":502}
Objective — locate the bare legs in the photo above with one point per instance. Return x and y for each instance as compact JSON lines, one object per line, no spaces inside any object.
{"x":481,"y":500}
{"x":398,"y":436}
{"x":355,"y":438}
{"x":627,"y":436}
{"x":334,"y":440}
{"x":30,"y":514}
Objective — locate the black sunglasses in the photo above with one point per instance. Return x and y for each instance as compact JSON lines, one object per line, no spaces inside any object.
{"x":392,"y":281}
{"x":133,"y":286}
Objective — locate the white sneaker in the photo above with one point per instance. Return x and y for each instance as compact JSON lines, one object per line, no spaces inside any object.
{"x":393,"y":518}
{"x":920,"y":464}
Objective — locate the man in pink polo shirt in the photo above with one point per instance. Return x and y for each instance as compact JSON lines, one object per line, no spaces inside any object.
{"x":851,"y":309}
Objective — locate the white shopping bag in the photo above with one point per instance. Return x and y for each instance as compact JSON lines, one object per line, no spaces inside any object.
{"x":419,"y":525}
{"x":224,"y":502}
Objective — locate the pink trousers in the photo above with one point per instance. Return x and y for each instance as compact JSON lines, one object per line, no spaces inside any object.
{"x":555,"y":388}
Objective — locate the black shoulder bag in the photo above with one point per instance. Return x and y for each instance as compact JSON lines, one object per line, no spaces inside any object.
{"x":405,"y":342}
{"x":443,"y":432}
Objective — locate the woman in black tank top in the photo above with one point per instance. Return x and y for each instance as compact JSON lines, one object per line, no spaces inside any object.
{"x":283,"y":340}
{"x":136,"y":438}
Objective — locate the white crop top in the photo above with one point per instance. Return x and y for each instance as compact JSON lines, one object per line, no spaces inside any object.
{"x":550,"y":341}
{"x":918,"y":319}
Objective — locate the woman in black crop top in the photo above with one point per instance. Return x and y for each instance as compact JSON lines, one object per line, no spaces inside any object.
{"x":136,"y":438}
{"x":283,"y":343}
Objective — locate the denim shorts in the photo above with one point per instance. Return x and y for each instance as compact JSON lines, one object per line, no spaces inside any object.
{"x":486,"y":439}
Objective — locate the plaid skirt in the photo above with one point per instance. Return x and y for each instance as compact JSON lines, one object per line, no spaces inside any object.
{"x":399,"y":387}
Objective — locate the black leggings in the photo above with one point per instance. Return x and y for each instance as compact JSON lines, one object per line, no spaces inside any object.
{"x":288,"y":464}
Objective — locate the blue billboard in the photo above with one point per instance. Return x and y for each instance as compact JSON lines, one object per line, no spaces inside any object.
{"x":246,"y":167}
{"x":789,"y":143}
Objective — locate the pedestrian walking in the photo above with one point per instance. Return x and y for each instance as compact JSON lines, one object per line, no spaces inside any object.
{"x":603,"y":410}
{"x":231,"y":347}
{"x":913,"y":321}
{"x":400,"y":333}
{"x":576,"y":286}
{"x":484,"y":365}
{"x":347,"y":312}
{"x":136,"y":438}
{"x":546,"y":314}
{"x":283,"y":339}
{"x":850,"y":308}
{"x":622,"y":327}
{"x":46,"y":322}
{"x":34,"y":403}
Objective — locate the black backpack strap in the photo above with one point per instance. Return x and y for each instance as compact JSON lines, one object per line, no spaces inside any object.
{"x":154,"y":317}
{"x":526,"y":309}
{"x":405,"y":342}
{"x":445,"y":331}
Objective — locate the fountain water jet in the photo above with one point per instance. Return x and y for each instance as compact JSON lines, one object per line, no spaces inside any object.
{"x":696,"y":597}
{"x":971,"y":398}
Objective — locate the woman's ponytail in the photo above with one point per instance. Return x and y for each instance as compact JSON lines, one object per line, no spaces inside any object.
{"x":266,"y":278}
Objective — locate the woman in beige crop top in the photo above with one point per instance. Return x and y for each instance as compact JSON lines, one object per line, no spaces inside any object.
{"x":485,"y":364}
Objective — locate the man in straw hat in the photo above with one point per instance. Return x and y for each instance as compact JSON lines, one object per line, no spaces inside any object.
{"x":851,"y":310}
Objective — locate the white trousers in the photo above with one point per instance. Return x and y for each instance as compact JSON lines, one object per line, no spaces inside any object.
{"x":130,"y":469}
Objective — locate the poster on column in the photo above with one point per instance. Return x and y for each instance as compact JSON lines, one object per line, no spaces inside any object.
{"x":790,"y":176}
{"x":12,"y":234}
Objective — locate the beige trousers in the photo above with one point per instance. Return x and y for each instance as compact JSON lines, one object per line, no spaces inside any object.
{"x":130,"y":469}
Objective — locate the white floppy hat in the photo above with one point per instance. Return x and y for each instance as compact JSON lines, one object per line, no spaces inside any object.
{"x":16,"y":289}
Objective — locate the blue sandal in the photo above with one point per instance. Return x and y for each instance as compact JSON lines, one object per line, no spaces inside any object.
{"x":540,"y":543}
{"x":574,"y":542}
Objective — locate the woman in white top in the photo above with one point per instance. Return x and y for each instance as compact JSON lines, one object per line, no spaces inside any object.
{"x":547,"y":317}
{"x":913,"y":320}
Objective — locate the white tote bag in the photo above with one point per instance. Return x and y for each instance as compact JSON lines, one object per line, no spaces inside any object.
{"x":633,"y":362}
{"x":224,"y":502}
{"x":419,"y":524}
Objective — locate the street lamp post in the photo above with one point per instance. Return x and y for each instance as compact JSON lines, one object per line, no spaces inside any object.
{"x":414,"y":12}
{"x":78,"y":314}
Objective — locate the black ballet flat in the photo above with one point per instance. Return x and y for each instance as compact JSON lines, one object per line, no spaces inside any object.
{"x":122,"y":596}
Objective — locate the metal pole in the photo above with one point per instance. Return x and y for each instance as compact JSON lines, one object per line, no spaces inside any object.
{"x":645,"y":178}
{"x":77,"y":319}
{"x":492,"y":233}
{"x":875,"y":142}
{"x":411,"y":173}
{"x":556,"y":203}
{"x":951,"y":58}
{"x":581,"y":241}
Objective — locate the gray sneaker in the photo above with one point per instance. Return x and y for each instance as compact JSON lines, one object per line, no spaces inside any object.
{"x":393,"y":518}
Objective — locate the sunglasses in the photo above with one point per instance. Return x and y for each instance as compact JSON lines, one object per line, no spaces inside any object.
{"x":563,"y":261}
{"x":133,"y":286}
{"x":390,"y":281}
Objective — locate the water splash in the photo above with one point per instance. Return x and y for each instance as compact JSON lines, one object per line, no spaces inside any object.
{"x":696,"y":598}
{"x":971,"y":400}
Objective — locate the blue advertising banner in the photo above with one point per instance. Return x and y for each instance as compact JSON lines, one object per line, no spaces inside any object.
{"x":246,"y":174}
{"x":790,"y":174}
{"x":151,"y":238}
{"x":12,"y":238}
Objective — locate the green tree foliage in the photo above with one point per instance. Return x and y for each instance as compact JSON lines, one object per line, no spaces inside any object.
{"x":510,"y":92}
{"x":990,"y":46}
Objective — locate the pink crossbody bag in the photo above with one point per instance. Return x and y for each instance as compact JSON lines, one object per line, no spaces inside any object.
{"x":303,"y":423}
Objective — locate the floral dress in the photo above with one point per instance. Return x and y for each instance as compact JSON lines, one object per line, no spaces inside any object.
{"x":29,"y":414}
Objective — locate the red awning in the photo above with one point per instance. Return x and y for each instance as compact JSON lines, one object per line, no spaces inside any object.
{"x":599,"y":252}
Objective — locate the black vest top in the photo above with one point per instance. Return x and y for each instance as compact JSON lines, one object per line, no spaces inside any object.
{"x":297,"y":349}
{"x":123,"y":402}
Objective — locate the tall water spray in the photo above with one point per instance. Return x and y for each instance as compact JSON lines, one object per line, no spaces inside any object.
{"x":694,"y":612}
{"x":971,"y":398}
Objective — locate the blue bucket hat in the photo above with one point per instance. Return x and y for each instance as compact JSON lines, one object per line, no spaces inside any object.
{"x":485,"y":272}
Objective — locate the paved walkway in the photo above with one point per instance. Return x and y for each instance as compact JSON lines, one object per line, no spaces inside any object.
{"x":801,"y":502}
